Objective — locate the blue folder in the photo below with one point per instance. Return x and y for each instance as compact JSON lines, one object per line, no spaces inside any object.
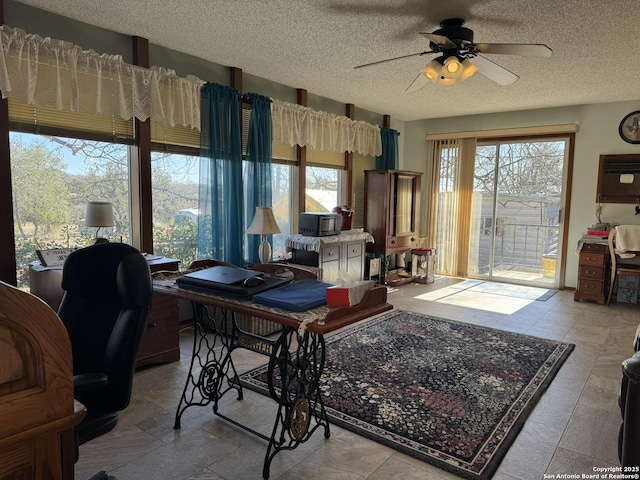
{"x":297,"y":296}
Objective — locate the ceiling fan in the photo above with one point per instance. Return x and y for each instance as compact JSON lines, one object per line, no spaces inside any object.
{"x":461,"y":56}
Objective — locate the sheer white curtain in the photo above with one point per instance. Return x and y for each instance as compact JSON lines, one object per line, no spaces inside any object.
{"x":297,"y":125}
{"x":450,"y":204}
{"x":42,"y":71}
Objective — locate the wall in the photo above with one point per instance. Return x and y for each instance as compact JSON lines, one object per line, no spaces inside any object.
{"x":597,"y":135}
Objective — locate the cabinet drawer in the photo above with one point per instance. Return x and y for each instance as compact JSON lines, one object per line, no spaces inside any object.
{"x":354,"y":250}
{"x":594,"y":247}
{"x":401,"y":242}
{"x":161,"y":334}
{"x":161,"y":301}
{"x":588,"y":272}
{"x":160,"y":342}
{"x":592,"y":259}
{"x":590,"y":286}
{"x":331,"y":252}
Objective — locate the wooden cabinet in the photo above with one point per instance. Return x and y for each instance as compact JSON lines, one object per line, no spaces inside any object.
{"x":331,"y":254}
{"x":391,"y":212}
{"x":160,"y":343}
{"x":593,"y":273}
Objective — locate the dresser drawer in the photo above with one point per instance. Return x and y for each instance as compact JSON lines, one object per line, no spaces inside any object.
{"x":331,"y":252}
{"x":590,"y":286}
{"x":354,"y":249}
{"x":592,"y":259}
{"x":594,"y":247}
{"x":596,"y":273}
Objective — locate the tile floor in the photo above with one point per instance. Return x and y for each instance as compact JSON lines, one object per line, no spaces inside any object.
{"x":573,"y":428}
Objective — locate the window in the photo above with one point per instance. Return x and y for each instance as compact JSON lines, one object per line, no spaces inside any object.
{"x":282,"y":194}
{"x":53,"y":178}
{"x":174,"y":180}
{"x":323,"y":187}
{"x":485,"y":225}
{"x":323,"y":180}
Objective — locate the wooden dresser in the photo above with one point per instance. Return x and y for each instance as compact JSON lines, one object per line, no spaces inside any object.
{"x":593,"y":273}
{"x":161,"y":339}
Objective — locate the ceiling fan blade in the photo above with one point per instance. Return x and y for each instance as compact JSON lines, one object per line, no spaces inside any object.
{"x":524,"y":49}
{"x":493,"y":71}
{"x":418,"y":83}
{"x":392,"y":59}
{"x":439,"y":40}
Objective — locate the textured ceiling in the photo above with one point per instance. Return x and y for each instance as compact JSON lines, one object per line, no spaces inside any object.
{"x":315,"y":44}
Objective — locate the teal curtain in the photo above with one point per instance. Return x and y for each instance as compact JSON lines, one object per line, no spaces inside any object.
{"x":389,"y":158}
{"x":220,"y":207}
{"x":258,"y":166}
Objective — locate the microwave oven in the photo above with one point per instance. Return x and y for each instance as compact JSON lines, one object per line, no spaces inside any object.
{"x":319,"y":224}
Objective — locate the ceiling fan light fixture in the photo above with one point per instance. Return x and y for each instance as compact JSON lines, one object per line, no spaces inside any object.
{"x":468,"y":69}
{"x":432,"y":71}
{"x":451,"y":67}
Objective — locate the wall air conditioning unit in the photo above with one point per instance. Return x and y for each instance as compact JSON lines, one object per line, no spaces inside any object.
{"x":619,"y":179}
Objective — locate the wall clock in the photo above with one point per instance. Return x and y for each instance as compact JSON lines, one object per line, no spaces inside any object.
{"x":630,"y":128}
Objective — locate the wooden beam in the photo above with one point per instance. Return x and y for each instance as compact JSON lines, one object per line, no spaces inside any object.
{"x":142,"y":211}
{"x":7,"y":235}
{"x":235,"y":78}
{"x":386,"y":121}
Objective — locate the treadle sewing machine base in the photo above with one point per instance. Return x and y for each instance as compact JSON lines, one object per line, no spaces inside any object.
{"x":296,"y":360}
{"x":293,"y":378}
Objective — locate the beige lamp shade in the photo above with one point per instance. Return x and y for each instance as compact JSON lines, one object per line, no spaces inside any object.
{"x":263,"y":223}
{"x":99,"y":214}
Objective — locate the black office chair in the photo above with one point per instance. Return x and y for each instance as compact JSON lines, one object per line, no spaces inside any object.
{"x":107,"y":297}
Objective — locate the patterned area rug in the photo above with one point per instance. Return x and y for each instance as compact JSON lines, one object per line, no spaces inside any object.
{"x":451,"y":394}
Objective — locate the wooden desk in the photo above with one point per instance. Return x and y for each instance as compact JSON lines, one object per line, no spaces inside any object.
{"x":37,"y":407}
{"x":160,"y":344}
{"x":296,"y":359}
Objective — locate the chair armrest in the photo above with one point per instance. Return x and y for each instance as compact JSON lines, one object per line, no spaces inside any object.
{"x":89,"y":382}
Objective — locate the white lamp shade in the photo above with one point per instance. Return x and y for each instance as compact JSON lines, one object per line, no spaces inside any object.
{"x":469,"y":69}
{"x":99,"y":214}
{"x":451,"y":68}
{"x":263,"y":223}
{"x":432,"y":71}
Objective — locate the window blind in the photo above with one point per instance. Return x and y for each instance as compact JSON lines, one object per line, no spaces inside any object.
{"x":48,"y":120}
{"x":360,"y":164}
{"x":177,"y":135}
{"x":321,"y":158}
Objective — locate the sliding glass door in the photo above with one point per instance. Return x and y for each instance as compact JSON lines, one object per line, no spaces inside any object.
{"x":516,"y":211}
{"x":498,"y":212}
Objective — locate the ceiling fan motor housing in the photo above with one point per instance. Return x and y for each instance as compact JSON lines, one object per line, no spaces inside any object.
{"x":454,"y":30}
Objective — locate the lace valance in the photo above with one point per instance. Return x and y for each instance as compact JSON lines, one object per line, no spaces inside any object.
{"x":297,"y":125}
{"x":43,"y":71}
